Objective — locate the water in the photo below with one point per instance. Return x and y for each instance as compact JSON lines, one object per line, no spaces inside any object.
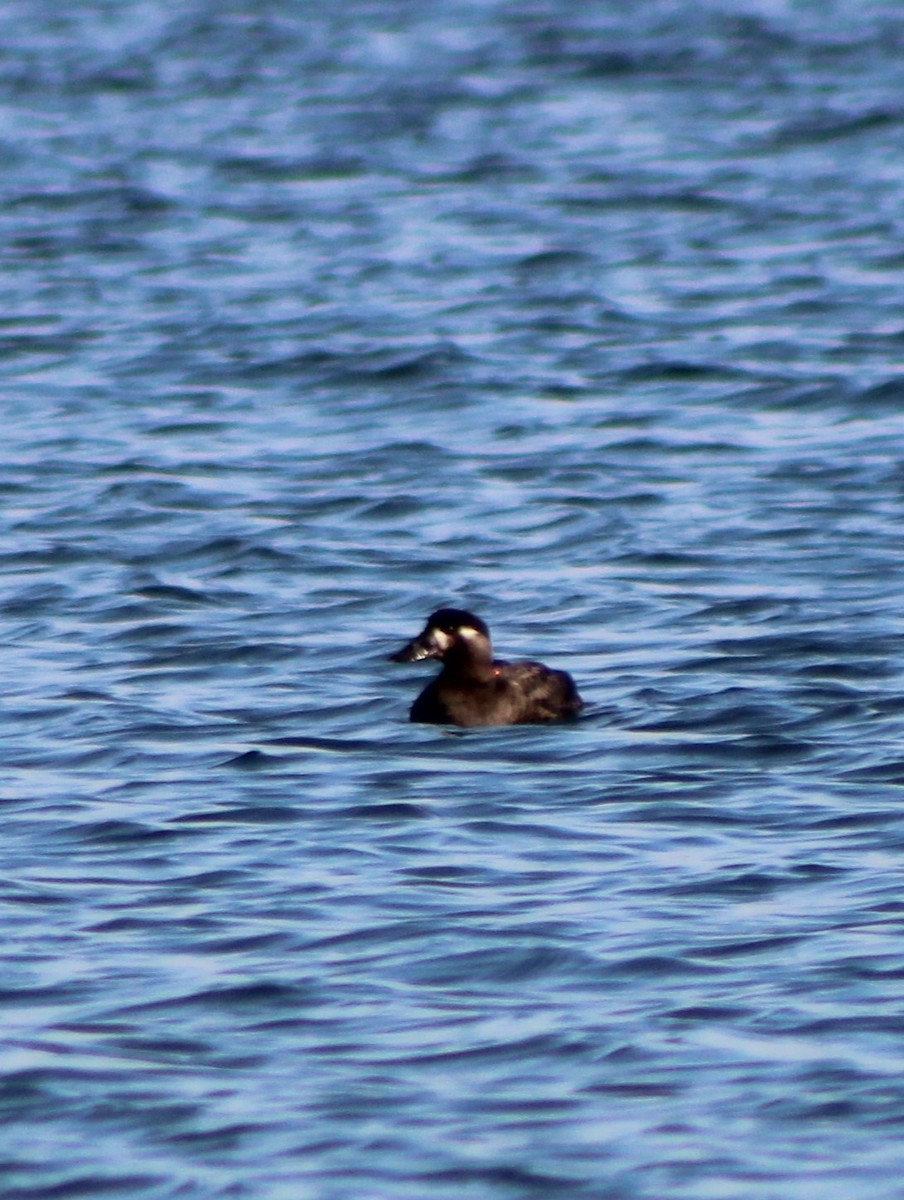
{"x":583,"y":317}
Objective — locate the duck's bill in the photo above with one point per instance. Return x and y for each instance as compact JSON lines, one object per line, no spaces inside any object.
{"x":432,"y":643}
{"x":415,"y":651}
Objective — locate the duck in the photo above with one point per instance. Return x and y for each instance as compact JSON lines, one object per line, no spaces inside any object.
{"x":473,"y":688}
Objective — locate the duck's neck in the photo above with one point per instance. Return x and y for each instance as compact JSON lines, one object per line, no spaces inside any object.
{"x":472,"y":662}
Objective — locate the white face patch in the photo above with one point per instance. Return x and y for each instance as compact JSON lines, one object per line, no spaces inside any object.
{"x":441,"y":640}
{"x":468,"y":633}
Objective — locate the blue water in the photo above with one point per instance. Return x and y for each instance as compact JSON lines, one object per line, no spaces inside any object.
{"x":588,"y":318}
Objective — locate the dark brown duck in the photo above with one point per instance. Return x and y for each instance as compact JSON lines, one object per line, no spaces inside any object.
{"x":473,"y":688}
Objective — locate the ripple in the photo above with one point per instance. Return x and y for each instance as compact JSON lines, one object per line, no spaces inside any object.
{"x":471,"y":319}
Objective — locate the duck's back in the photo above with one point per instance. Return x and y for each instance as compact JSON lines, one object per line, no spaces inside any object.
{"x":542,"y":693}
{"x":517,"y":693}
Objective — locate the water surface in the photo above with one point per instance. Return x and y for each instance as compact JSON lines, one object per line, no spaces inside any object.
{"x":588,"y":320}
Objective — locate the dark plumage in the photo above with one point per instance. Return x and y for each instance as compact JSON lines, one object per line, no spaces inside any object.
{"x":473,"y":688}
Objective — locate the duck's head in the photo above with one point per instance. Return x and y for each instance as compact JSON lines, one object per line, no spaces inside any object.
{"x":449,"y":632}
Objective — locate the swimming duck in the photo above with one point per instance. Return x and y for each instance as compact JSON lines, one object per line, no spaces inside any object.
{"x":473,"y":688}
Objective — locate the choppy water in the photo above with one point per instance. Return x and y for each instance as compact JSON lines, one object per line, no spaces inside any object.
{"x":313,"y":318}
